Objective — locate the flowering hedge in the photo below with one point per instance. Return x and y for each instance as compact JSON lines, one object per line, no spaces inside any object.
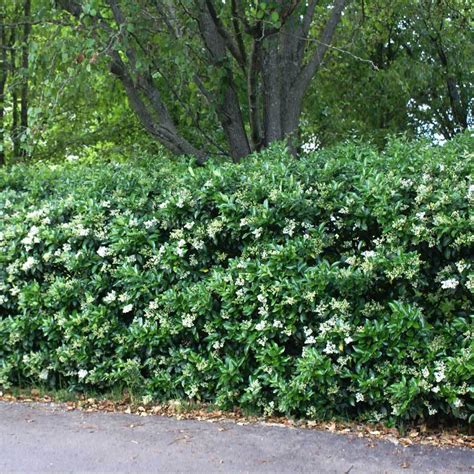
{"x":339,"y":284}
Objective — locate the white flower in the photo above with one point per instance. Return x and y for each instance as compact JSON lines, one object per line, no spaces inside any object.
{"x":458,"y":403}
{"x":348,"y":339}
{"x":470,"y":191}
{"x":103,"y":251}
{"x":262,"y":298}
{"x":359,"y":397}
{"x":43,"y":375}
{"x":198,"y":244}
{"x":82,"y":374}
{"x":257,"y":232}
{"x":150,"y":223}
{"x":29,"y":264}
{"x":32,"y":237}
{"x":277,"y":324}
{"x":110,"y":297}
{"x":330,"y":348}
{"x":310,"y":296}
{"x":261,"y":325}
{"x":425,"y":372}
{"x":435,"y":389}
{"x":153,"y":305}
{"x":369,"y":254}
{"x":450,"y":283}
{"x":310,"y":340}
{"x":311,"y":145}
{"x":218,"y":345}
{"x":83,"y":232}
{"x":439,"y":373}
{"x":127,"y":308}
{"x":188,"y":321}
{"x":351,"y":260}
{"x":123,"y":297}
{"x":290,"y":228}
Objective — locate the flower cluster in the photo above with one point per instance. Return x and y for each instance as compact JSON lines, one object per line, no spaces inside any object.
{"x":339,"y":284}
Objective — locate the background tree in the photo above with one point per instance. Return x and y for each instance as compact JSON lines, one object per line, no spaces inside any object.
{"x":227,"y":78}
{"x":248,"y":62}
{"x":397,"y":67}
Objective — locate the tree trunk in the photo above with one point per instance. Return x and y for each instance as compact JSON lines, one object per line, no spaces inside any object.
{"x":228,"y":106}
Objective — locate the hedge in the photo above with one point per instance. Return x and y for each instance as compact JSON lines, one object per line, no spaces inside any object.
{"x":339,"y":284}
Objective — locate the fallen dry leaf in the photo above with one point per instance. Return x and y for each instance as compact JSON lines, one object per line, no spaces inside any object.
{"x":420,"y":434}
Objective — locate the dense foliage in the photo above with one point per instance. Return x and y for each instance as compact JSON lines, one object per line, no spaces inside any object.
{"x":393,"y":66}
{"x":339,"y":284}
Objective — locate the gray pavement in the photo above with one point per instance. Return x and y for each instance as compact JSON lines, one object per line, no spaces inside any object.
{"x":45,"y":438}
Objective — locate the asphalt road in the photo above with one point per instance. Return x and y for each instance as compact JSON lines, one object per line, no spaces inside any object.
{"x":45,"y":438}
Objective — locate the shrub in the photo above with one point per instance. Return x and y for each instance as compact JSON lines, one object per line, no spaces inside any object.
{"x":336,"y":285}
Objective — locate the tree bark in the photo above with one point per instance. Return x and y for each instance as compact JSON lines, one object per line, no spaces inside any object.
{"x":272,"y":76}
{"x":228,"y":107}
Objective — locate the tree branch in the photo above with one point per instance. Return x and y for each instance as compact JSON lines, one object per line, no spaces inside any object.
{"x":312,"y":66}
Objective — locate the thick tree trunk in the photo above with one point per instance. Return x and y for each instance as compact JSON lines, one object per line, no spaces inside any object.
{"x":287,"y":77}
{"x":272,"y":77}
{"x":253,"y":94}
{"x":228,"y":108}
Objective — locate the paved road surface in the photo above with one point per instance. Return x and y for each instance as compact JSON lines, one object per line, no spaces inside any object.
{"x":45,"y":438}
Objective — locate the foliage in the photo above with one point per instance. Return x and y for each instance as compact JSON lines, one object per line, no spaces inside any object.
{"x":339,"y":284}
{"x":71,"y":101}
{"x":398,"y":66}
{"x":392,"y":67}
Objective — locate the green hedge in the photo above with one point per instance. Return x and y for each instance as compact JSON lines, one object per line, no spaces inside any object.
{"x":337,"y":285}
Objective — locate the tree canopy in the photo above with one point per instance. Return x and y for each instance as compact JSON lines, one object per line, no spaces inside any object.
{"x":226,"y":78}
